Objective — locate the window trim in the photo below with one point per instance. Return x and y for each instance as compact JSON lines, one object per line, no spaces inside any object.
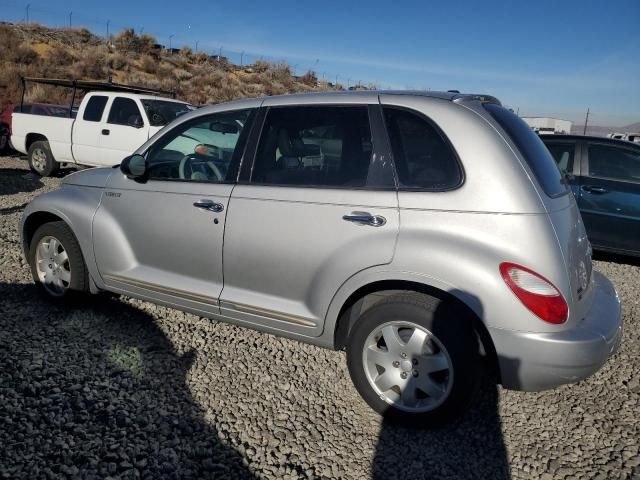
{"x":440,"y":132}
{"x":247,"y":172}
{"x":607,"y":144}
{"x":242,"y":142}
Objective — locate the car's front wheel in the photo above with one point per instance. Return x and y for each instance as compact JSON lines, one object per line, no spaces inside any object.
{"x":414,"y":359}
{"x":57,"y":265}
{"x":41,"y":159}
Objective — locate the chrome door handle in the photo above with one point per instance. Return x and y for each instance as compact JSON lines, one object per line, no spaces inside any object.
{"x":364,"y":218}
{"x":209,"y":206}
{"x":594,"y":189}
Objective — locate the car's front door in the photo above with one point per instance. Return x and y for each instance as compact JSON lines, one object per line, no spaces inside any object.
{"x":610,"y":196}
{"x":306,"y":220}
{"x":161,"y":239}
{"x":123,"y":131}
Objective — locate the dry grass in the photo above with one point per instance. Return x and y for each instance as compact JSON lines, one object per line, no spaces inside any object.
{"x":34,"y":50}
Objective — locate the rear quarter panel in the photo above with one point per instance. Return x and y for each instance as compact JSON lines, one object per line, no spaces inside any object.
{"x":56,"y":130}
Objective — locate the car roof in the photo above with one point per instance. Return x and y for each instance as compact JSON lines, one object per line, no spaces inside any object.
{"x":333,"y":96}
{"x":613,"y":141}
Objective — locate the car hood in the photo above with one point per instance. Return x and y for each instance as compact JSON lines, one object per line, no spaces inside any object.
{"x":91,"y":177}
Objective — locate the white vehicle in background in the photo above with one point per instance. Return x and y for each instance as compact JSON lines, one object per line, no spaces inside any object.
{"x":110,"y":123}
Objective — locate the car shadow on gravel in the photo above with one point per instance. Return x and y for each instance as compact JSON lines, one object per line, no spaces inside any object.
{"x":18,"y":181}
{"x":616,"y":258}
{"x":471,"y":447}
{"x":98,"y":391}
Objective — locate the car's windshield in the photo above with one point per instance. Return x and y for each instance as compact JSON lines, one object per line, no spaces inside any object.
{"x":161,"y":112}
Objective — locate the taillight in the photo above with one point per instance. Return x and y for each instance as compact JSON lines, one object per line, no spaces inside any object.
{"x":536,"y":293}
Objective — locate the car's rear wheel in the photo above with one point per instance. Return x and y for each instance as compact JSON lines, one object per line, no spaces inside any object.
{"x":57,"y":265}
{"x":4,"y":139}
{"x":414,"y":359}
{"x":41,"y":159}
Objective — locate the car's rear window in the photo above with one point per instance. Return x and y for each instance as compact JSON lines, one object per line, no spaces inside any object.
{"x":532,"y":149}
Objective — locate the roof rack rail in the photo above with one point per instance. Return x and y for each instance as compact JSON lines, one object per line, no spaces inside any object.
{"x":87,"y":85}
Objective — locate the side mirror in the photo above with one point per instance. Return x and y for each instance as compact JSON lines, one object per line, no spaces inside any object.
{"x":134,"y":167}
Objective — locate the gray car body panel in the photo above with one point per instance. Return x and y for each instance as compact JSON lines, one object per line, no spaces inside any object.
{"x":282,"y":260}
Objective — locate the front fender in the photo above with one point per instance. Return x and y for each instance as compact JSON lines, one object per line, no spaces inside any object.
{"x":74,"y":205}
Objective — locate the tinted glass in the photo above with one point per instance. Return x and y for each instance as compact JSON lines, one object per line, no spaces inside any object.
{"x":608,"y":161}
{"x":94,"y":108}
{"x":423,"y":158}
{"x":314,"y":146}
{"x":203,"y":150}
{"x":161,"y":112}
{"x":563,"y":154}
{"x":124,"y":111}
{"x":532,"y":149}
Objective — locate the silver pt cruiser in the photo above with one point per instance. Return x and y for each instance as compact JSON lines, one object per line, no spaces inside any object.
{"x":421,"y":232}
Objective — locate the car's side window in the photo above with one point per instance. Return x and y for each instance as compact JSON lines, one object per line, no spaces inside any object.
{"x":613,"y":162}
{"x":563,"y":154}
{"x":423,"y":158}
{"x":125,"y":111}
{"x":326,"y":146}
{"x":95,"y":107}
{"x":206,"y":149}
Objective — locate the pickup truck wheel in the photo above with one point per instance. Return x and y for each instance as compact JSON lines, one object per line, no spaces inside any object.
{"x":4,"y":139}
{"x":41,"y":160}
{"x":413,"y":358}
{"x":57,"y":265}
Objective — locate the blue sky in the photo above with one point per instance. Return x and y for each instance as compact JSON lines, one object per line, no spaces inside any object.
{"x":544,"y":57}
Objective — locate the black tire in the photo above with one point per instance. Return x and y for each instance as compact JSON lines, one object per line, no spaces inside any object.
{"x":5,"y":144}
{"x":79,"y":282}
{"x":41,"y":159}
{"x":453,"y":329}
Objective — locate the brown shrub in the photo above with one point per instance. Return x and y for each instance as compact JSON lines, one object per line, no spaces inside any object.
{"x":148,"y":64}
{"x":310,"y":78}
{"x":126,"y":40}
{"x":146,"y":43}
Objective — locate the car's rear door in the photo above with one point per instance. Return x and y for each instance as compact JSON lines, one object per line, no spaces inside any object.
{"x":85,"y":139}
{"x":303,"y":221}
{"x":610,"y":195}
{"x":161,"y":239}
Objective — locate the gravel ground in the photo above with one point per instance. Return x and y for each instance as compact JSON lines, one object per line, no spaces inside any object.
{"x":125,"y":389}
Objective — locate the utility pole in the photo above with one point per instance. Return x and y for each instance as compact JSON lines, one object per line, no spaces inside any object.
{"x":586,"y":121}
{"x":70,"y":17}
{"x":219,"y":53}
{"x":518,"y":111}
{"x":27,"y":15}
{"x":197,"y":42}
{"x":170,"y":49}
{"x":241,"y":57}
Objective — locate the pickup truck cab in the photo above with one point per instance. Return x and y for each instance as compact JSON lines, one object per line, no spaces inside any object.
{"x":108,"y":126}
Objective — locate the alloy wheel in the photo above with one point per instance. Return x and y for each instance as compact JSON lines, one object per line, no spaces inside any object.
{"x":408,"y":366}
{"x":52,"y":266}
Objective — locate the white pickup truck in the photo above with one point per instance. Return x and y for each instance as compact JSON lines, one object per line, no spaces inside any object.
{"x":107,"y":127}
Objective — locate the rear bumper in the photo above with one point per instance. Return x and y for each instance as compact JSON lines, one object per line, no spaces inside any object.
{"x":538,"y":361}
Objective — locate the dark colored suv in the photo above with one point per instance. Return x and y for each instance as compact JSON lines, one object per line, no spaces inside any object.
{"x":604,"y":175}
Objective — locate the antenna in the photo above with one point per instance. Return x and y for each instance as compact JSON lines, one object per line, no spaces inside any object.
{"x":586,"y":121}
